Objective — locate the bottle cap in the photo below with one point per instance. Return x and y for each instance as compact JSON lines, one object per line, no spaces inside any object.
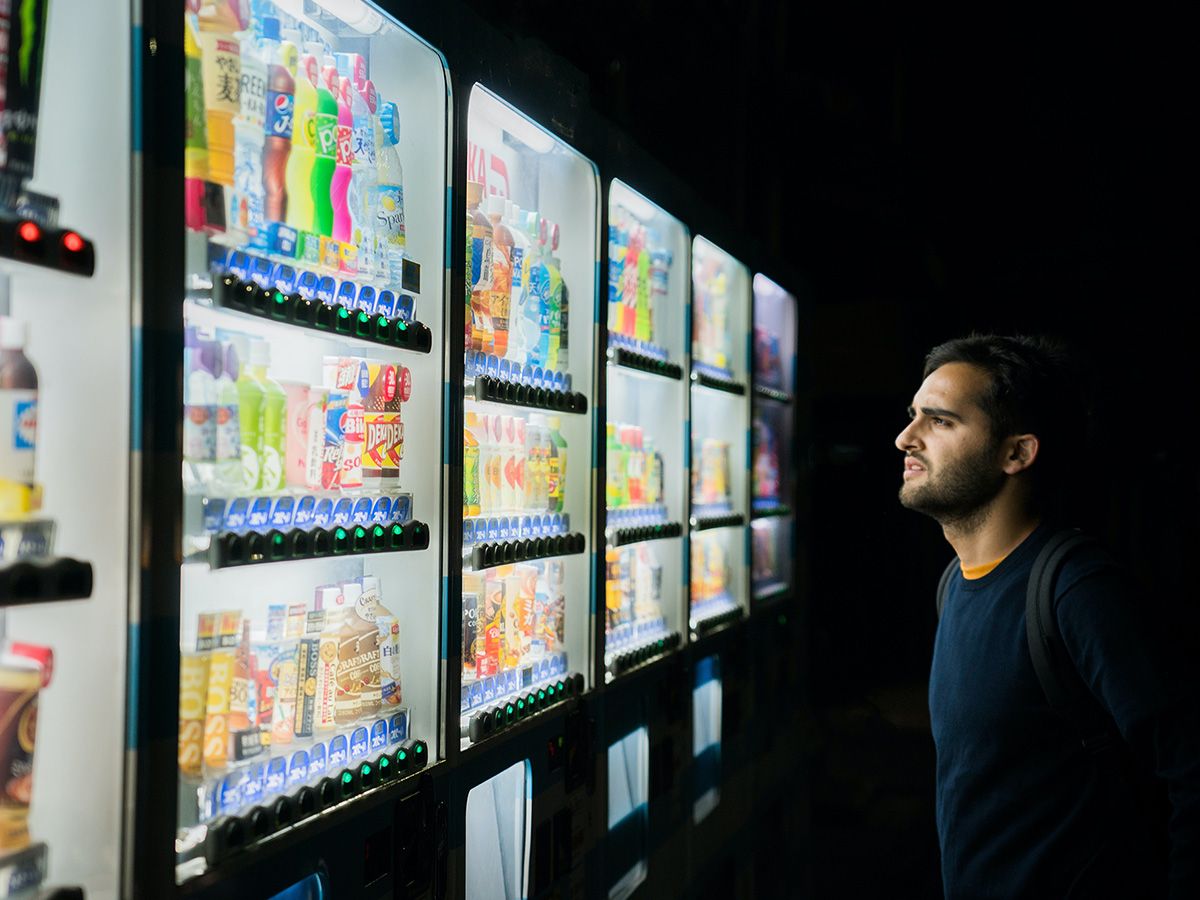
{"x":389,"y":117}
{"x":495,"y":206}
{"x":369,"y":94}
{"x":554,"y":422}
{"x":260,"y":352}
{"x":270,"y":28}
{"x":13,"y":333}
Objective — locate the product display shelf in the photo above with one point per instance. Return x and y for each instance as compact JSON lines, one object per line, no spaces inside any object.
{"x":762,"y":392}
{"x":30,"y":572}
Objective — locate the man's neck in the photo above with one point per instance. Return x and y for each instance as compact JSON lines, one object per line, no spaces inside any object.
{"x":993,"y":533}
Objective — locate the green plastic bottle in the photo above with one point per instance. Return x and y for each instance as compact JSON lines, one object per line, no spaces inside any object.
{"x":251,"y":397}
{"x":273,"y":433}
{"x":557,"y":476}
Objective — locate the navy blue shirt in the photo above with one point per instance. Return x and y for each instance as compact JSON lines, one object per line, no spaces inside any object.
{"x":1022,"y":809}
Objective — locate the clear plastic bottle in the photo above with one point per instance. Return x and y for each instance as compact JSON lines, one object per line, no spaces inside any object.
{"x":388,"y":206}
{"x":18,"y":419}
{"x":199,"y":412}
{"x":479,"y":227}
{"x":556,"y":465}
{"x":228,"y":422}
{"x":274,"y":419}
{"x":502,"y":275}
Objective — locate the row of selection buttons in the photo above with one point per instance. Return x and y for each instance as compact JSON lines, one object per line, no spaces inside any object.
{"x":487,"y":722}
{"x":247,"y":548}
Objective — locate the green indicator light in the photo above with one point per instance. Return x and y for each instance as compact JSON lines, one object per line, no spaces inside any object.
{"x":550,"y":690}
{"x":402,"y":325}
{"x":520,"y":704}
{"x":509,"y":709}
{"x":397,"y":530}
{"x":402,"y":755}
{"x":561,"y":686}
{"x":383,"y":762}
{"x":343,"y":313}
{"x":364,"y":317}
{"x":340,"y":534}
{"x":381,"y":321}
{"x":347,"y":778}
{"x":277,"y":539}
{"x":541,"y":695}
{"x":366,"y":769}
{"x":378,"y":531}
{"x":280,"y":298}
{"x":360,"y":532}
{"x":420,"y":748}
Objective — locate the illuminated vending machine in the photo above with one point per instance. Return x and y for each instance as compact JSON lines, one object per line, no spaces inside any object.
{"x":720,"y":421}
{"x":64,"y":427}
{"x":526,"y":580}
{"x":772,"y":441}
{"x":312,"y":433}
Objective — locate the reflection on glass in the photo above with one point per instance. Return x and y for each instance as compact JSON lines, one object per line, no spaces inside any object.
{"x":628,"y":798}
{"x":706,"y":737}
{"x":497,"y":835}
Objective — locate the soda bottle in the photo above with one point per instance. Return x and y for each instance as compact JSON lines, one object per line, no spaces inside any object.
{"x":344,"y":159}
{"x":274,"y":419}
{"x":281,"y":89}
{"x":18,"y":420}
{"x":556,"y":476}
{"x":479,"y":233}
{"x":251,"y":398}
{"x":363,"y":179}
{"x":221,"y":69}
{"x":388,"y":206}
{"x":245,"y":214}
{"x":502,"y":275}
{"x":299,"y":172}
{"x":195,"y":135}
{"x":326,"y":152}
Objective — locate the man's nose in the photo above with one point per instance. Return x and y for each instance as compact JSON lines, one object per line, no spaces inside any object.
{"x":906,"y":440}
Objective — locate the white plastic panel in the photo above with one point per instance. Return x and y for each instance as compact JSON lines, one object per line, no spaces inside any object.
{"x":628,"y":799}
{"x":706,"y":737}
{"x":497,"y":835}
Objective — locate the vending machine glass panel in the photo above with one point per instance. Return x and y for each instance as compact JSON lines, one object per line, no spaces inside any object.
{"x":720,"y":422}
{"x":497,"y":835}
{"x":645,"y":431}
{"x":532,"y":221}
{"x":312,"y":413}
{"x":706,"y":738}
{"x":625,"y":846}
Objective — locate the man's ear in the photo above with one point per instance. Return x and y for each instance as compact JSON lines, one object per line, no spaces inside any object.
{"x":1020,"y":451}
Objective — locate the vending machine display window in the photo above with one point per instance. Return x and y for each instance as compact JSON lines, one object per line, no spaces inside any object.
{"x":497,"y":835}
{"x":773,"y":437}
{"x":315,"y":186}
{"x":532,"y":222}
{"x":720,"y":422}
{"x":706,"y":738}
{"x":645,"y":431}
{"x":625,"y":846}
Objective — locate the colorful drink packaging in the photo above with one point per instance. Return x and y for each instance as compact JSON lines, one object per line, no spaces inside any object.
{"x":513,"y":650}
{"x":612,"y":588}
{"x":314,"y":461}
{"x":330,"y":601}
{"x":555,"y":626}
{"x":193,"y":689}
{"x":489,"y":647}
{"x":299,"y":408}
{"x":284,"y":670}
{"x":383,"y":446}
{"x":21,"y":679}
{"x":388,"y":626}
{"x":344,"y":414}
{"x":220,"y":685}
{"x":308,"y":674}
{"x":471,"y":450}
{"x":472,"y":600}
{"x":362,"y":618}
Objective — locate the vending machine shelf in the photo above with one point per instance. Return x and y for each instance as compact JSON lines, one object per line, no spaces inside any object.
{"x":341,"y":320}
{"x":497,"y":553}
{"x":620,"y":537}
{"x":489,"y":389}
{"x":771,"y":510}
{"x":26,"y":241}
{"x":771,"y":592}
{"x":711,"y":617}
{"x":768,"y":393}
{"x":253,"y":547}
{"x":44,"y":580}
{"x":707,"y":522}
{"x":641,"y":362}
{"x":484,"y":723}
{"x":713,"y":380}
{"x":631,"y":658}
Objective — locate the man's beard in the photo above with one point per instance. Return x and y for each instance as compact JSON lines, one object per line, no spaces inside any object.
{"x":961,"y":493}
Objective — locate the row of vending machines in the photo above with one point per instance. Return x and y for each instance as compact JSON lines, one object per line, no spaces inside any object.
{"x":300,"y":597}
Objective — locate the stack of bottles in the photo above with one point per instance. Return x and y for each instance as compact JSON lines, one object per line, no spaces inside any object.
{"x":710,"y":479}
{"x":766,"y":464}
{"x":289,"y":149}
{"x":712,"y":338}
{"x":245,"y":432}
{"x":632,"y":596}
{"x":266,"y":705}
{"x":518,"y":304}
{"x":633,"y":468}
{"x":24,"y":670}
{"x":513,"y":465}
{"x":710,"y":575}
{"x":513,"y":620}
{"x":639,"y":274}
{"x":768,"y":364}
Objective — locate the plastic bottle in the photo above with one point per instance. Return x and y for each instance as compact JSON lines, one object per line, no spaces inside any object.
{"x":325,"y":146}
{"x":228,"y":424}
{"x":340,"y":185}
{"x":251,"y":399}
{"x":299,"y":172}
{"x":538,"y":305}
{"x":274,"y":419}
{"x":245,"y":214}
{"x":654,"y":473}
{"x":199,"y":412}
{"x":471,"y":450}
{"x":536,"y":486}
{"x":613,"y":466}
{"x":556,"y":465}
{"x":563,"y":303}
{"x":18,"y":419}
{"x":221,"y":68}
{"x":517,"y":339}
{"x":195,"y":135}
{"x":388,"y":205}
{"x":479,"y":227}
{"x":363,"y":176}
{"x":502,"y":275}
{"x":278,"y":125}
{"x":487,"y":453}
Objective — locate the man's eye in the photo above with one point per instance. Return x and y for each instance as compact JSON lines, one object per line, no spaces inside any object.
{"x":937,"y":420}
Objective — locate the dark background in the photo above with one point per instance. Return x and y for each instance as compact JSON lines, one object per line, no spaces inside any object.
{"x":929,"y":176}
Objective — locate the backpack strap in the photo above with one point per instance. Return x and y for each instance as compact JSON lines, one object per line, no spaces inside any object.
{"x":944,"y":583}
{"x":1060,"y":681}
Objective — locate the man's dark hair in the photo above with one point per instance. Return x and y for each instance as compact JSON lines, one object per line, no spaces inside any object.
{"x":1034,"y":387}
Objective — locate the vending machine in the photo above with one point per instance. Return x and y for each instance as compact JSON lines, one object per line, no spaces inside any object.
{"x":525,"y":579}
{"x":64,"y":442}
{"x":311,"y":420}
{"x":646,"y":398}
{"x":720,"y":422}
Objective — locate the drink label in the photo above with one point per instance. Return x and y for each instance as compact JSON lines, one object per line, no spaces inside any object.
{"x":468,"y":532}
{"x":361,"y":514}
{"x":381,"y":512}
{"x":345,"y":145}
{"x":276,"y":776}
{"x":342,"y":511}
{"x":247,"y":743}
{"x":230,"y":793}
{"x":398,"y":727}
{"x":366,"y":299}
{"x":360,"y":742}
{"x":389,"y":215}
{"x":330,"y":253}
{"x":489,"y":689}
{"x":252,"y":790}
{"x":297,"y":769}
{"x":505,"y":370}
{"x":323,"y":512}
{"x":316,"y":760}
{"x":476,"y":694}
{"x":379,"y":736}
{"x":260,"y":512}
{"x":493,"y":529}
{"x":527,"y":375}
{"x":527,"y":676}
{"x":214,"y":514}
{"x":283,"y":512}
{"x":326,"y":288}
{"x":512,"y":681}
{"x":385,"y":303}
{"x":347,"y":291}
{"x":239,"y":264}
{"x":309,"y":251}
{"x":303,"y":515}
{"x":401,"y":508}
{"x":505,"y":532}
{"x":283,"y":277}
{"x":235,"y":514}
{"x":405,"y":308}
{"x":280,"y":110}
{"x":464,"y":698}
{"x":492,"y":366}
{"x":339,"y":750}
{"x":306,"y":284}
{"x":209,"y":800}
{"x":260,"y":271}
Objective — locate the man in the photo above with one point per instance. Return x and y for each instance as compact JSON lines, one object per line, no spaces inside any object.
{"x":1023,"y":809}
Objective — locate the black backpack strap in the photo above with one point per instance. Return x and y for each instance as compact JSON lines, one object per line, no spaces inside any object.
{"x":1061,"y":683}
{"x":944,"y":583}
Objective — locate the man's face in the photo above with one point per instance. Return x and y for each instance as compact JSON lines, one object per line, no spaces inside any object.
{"x":952,"y":465}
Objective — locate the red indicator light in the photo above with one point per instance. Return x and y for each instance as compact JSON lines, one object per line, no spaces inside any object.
{"x":29,"y":232}
{"x":72,"y":242}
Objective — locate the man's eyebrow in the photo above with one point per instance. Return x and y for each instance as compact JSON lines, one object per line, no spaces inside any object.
{"x":937,"y":412}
